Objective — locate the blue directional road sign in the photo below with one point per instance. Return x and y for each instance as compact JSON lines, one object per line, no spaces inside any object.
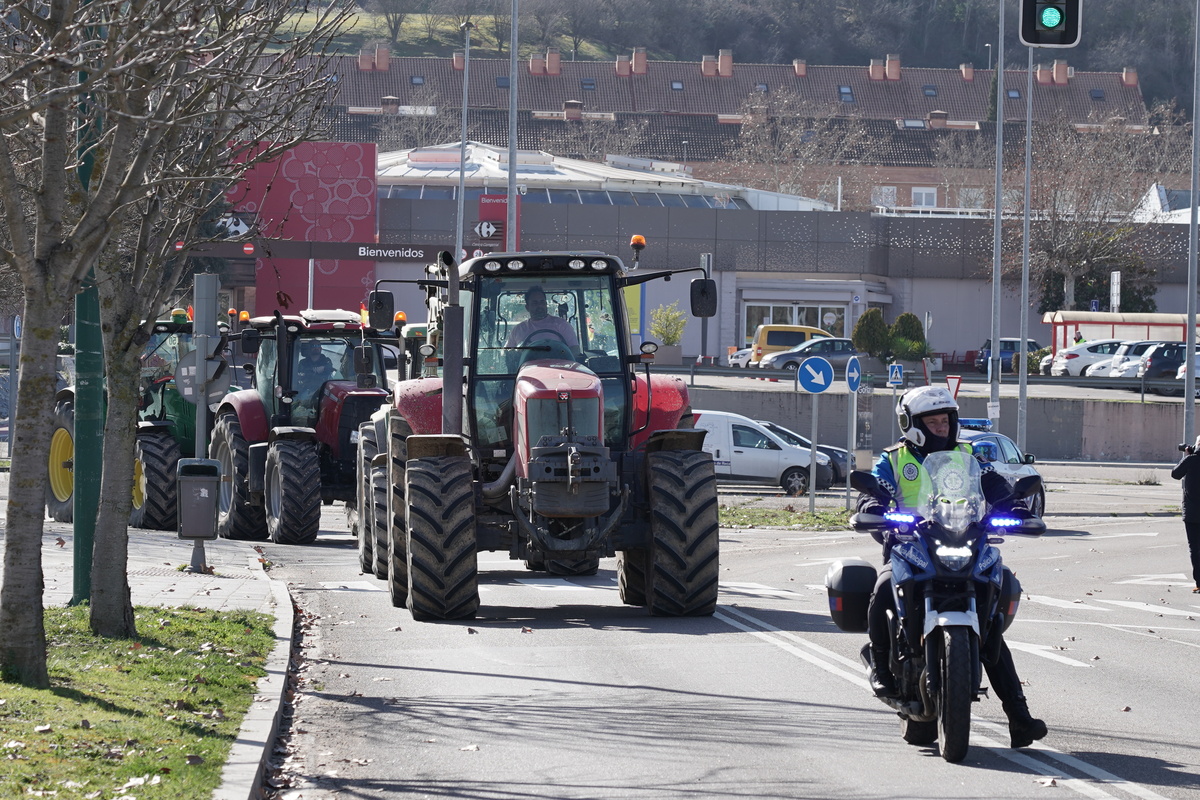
{"x":895,"y":374}
{"x":853,"y":374}
{"x":815,"y":375}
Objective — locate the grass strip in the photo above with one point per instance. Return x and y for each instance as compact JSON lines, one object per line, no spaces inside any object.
{"x":789,"y":517}
{"x":152,"y":717}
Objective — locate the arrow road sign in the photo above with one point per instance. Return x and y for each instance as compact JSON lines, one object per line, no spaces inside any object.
{"x":815,"y":375}
{"x":853,"y":374}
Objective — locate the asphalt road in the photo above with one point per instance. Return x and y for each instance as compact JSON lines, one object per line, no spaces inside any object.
{"x":557,"y":690}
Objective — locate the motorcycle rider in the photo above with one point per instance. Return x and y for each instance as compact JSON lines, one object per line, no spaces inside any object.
{"x":928,"y":418}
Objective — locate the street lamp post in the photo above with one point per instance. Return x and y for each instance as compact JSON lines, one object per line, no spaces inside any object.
{"x":989,"y":49}
{"x":462,"y":150}
{"x":685,"y":154}
{"x":452,"y":314}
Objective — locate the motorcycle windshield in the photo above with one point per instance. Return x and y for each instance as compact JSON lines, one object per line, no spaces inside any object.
{"x":953,"y":497}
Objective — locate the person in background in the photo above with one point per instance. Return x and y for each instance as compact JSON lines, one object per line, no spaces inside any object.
{"x":1079,"y":338}
{"x":1188,"y":471}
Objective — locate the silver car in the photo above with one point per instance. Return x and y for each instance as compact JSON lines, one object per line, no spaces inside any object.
{"x":1004,"y":456}
{"x":740,"y":358}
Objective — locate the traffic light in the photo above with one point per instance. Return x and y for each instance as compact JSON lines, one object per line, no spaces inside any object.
{"x":1050,"y":23}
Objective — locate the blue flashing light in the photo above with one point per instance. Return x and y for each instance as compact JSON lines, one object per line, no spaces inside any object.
{"x":896,"y":516}
{"x":976,"y":423}
{"x":1005,"y":522}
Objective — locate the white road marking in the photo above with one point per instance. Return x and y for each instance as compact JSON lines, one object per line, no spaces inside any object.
{"x":756,"y":590}
{"x":1171,"y":579}
{"x":1120,"y":535}
{"x":1147,"y":607}
{"x":1045,"y":651}
{"x":852,"y":672}
{"x":1059,"y":603}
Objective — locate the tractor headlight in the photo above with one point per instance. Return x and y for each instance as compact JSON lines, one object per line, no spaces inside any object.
{"x":599,"y":264}
{"x":576,"y":263}
{"x":492,"y":266}
{"x":516,"y":265}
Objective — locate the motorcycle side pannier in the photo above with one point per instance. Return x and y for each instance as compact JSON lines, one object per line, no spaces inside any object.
{"x":1010,"y":597}
{"x":849,"y":584}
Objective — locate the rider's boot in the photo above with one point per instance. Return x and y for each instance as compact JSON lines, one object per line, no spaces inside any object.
{"x":1023,"y":728}
{"x":883,"y":683}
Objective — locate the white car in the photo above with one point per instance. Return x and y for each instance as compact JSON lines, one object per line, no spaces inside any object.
{"x":1075,"y":359}
{"x":740,"y":358}
{"x":744,"y":451}
{"x":1128,"y":357}
{"x":1005,"y":457}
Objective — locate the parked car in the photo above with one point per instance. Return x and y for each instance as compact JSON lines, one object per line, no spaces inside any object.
{"x":740,"y":358}
{"x":745,"y":451}
{"x":837,"y":352}
{"x":1075,"y":359}
{"x":774,"y":338}
{"x":1004,"y":456}
{"x":1126,"y":359}
{"x":1181,"y":373}
{"x":1162,"y":361}
{"x":1008,"y":348}
{"x":840,"y":461}
{"x":1046,"y":362}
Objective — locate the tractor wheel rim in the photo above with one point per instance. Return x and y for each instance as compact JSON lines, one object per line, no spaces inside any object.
{"x":62,"y":477}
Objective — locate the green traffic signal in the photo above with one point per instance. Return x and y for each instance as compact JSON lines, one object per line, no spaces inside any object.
{"x":1050,"y":17}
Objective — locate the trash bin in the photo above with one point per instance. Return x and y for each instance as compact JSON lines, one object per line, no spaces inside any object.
{"x":199,"y":485}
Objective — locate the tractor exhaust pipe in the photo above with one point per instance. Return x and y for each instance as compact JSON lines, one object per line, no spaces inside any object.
{"x":499,"y":487}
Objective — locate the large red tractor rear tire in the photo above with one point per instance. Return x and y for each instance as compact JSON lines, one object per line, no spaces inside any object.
{"x":236,"y":517}
{"x":443,"y":577}
{"x":379,"y":520}
{"x":155,"y":486}
{"x":397,"y":563}
{"x":368,"y":448}
{"x":292,"y":492}
{"x":683,"y":564}
{"x":398,"y":432}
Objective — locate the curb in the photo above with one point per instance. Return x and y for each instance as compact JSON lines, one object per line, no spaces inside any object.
{"x":245,"y":767}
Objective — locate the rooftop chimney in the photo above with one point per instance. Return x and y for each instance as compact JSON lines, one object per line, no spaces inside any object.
{"x":1060,"y":72}
{"x":708,"y":66}
{"x":1129,"y":77}
{"x":639,"y":61}
{"x":572,"y":109}
{"x":552,"y":61}
{"x":800,"y":67}
{"x":875,"y":71}
{"x":893,"y":67}
{"x":623,"y":66}
{"x":725,"y":63}
{"x":937,"y":119}
{"x":382,"y":58}
{"x":537,"y":64}
{"x":968,"y":71}
{"x":1043,"y":75}
{"x":390,"y":105}
{"x":457,"y":59}
{"x":366,"y":60}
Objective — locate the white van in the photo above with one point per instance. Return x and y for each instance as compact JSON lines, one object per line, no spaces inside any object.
{"x":745,"y":452}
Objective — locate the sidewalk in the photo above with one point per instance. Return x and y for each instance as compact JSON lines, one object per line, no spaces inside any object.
{"x":238,"y":581}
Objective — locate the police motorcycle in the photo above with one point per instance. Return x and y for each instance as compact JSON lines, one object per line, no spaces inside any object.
{"x":953,"y":595}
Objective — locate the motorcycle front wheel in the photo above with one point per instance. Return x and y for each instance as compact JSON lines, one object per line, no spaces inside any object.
{"x":954,"y":694}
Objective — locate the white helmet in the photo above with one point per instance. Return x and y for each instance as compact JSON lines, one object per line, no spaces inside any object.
{"x":916,"y":403}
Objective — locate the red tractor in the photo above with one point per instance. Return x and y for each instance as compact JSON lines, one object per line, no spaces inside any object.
{"x":568,"y":452}
{"x":289,"y":444}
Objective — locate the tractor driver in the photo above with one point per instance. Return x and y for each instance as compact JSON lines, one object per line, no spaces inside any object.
{"x":312,"y":370}
{"x":541,"y":325}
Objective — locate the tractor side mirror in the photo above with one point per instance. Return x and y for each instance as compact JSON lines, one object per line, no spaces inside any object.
{"x":364,"y":360}
{"x":251,"y":339}
{"x":704,"y":297}
{"x":381,"y":310}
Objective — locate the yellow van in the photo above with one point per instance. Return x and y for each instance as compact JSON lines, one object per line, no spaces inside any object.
{"x":777,"y":338}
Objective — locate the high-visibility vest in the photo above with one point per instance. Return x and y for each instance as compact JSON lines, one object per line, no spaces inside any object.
{"x":907,"y":470}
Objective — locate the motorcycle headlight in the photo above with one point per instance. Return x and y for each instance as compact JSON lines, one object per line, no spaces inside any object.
{"x":954,"y":558}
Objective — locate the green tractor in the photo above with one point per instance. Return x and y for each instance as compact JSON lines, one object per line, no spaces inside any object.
{"x":166,"y":433}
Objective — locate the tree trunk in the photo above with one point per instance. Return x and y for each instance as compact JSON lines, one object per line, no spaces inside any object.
{"x":22,"y":630}
{"x":1068,"y":292}
{"x":112,"y":607}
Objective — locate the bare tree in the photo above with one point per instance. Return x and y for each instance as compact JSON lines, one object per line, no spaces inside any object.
{"x":545,"y":17}
{"x":965,"y":160}
{"x":1085,"y":189}
{"x":394,"y":13}
{"x":170,"y":100}
{"x":420,"y":123}
{"x":592,"y":139}
{"x":788,"y":144}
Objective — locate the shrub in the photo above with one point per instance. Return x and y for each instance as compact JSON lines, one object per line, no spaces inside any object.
{"x":871,"y":334}
{"x":908,"y":326}
{"x":910,"y":349}
{"x":667,"y":324}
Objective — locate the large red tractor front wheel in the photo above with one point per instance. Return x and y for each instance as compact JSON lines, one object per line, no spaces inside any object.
{"x":237,"y":517}
{"x":443,"y":577}
{"x":292,"y":492}
{"x":368,"y":448}
{"x":683,"y":561}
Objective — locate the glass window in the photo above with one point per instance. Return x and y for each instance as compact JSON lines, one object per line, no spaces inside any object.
{"x":752,"y":439}
{"x":536,"y":194}
{"x":924,"y":197}
{"x":971,"y":198}
{"x":406,"y":192}
{"x":672,"y":200}
{"x":588,"y":84}
{"x":694,"y":201}
{"x":884,"y":196}
{"x":1014,"y":94}
{"x":646,"y":199}
{"x":562,"y":196}
{"x":621,"y":198}
{"x":760,"y":87}
{"x":1008,"y":451}
{"x":930,"y":90}
{"x":594,"y":197}
{"x":416,"y":80}
{"x":1097,"y":94}
{"x":677,"y":86}
{"x":438,"y":193}
{"x":501,"y":81}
